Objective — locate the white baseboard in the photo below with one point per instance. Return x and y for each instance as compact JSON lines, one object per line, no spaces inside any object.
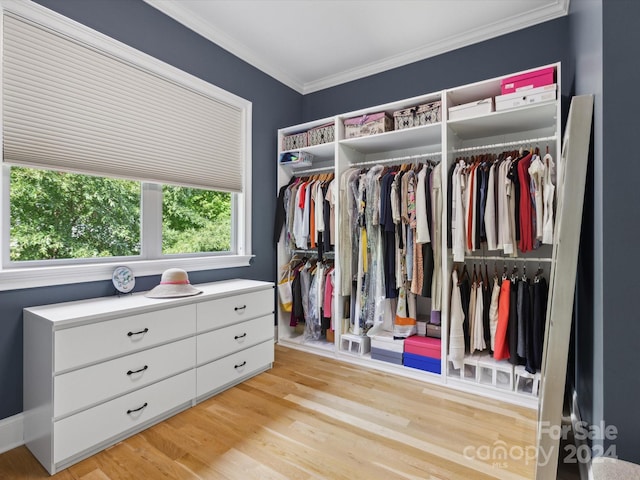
{"x":11,"y":432}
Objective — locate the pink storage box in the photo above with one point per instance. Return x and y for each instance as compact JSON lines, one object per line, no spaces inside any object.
{"x":524,"y":81}
{"x":369,"y":124}
{"x":423,"y":346}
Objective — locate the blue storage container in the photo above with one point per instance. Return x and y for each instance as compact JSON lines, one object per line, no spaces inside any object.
{"x":423,"y":363}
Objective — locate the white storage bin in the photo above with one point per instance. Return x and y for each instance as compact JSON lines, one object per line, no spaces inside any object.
{"x":472,"y":109}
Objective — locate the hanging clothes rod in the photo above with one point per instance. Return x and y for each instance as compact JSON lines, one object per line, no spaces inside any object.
{"x":396,"y":159}
{"x":504,"y":144}
{"x":312,"y":253}
{"x":297,"y":173}
{"x":506,"y":259}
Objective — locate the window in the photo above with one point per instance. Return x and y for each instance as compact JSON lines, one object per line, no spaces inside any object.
{"x":68,"y":216}
{"x":195,"y":221}
{"x":161,"y":170}
{"x":59,"y":215}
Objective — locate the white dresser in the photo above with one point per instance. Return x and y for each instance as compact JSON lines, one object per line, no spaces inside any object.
{"x":96,"y":371}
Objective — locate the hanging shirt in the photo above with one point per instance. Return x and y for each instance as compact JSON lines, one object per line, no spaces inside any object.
{"x":319,"y":207}
{"x":313,"y":231}
{"x":470,"y":216}
{"x":536,"y":172}
{"x":478,"y":324}
{"x":501,"y":350}
{"x":388,"y":235}
{"x":298,"y":220}
{"x":332,"y":198}
{"x":345,"y":232}
{"x":490,"y":211}
{"x":457,"y":213}
{"x":422,"y":227}
{"x":472,"y":318}
{"x":527,"y":234}
{"x":548,"y":192}
{"x":493,"y":312}
{"x":456,"y":334}
{"x":436,"y":205}
{"x":539,"y":300}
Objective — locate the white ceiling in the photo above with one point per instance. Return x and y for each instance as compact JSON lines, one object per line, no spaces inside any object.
{"x":314,"y":44}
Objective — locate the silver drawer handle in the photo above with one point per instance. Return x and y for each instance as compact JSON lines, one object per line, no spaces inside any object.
{"x":130,"y":411}
{"x":237,"y":309}
{"x":241,"y":364}
{"x":141,"y":332}
{"x":131,"y":372}
{"x":240,"y":336}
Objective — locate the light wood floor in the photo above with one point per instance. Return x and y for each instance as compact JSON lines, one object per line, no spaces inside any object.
{"x":312,"y":417}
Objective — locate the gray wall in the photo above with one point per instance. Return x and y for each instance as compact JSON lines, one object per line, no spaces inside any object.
{"x":604,"y":41}
{"x":585,"y":19}
{"x":274,"y":105}
{"x":620,"y":331}
{"x":539,"y":45}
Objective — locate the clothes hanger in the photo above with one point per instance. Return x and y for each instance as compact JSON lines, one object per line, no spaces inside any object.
{"x":514,"y":273}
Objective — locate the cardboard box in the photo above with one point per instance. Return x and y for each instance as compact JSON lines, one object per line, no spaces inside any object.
{"x":423,"y":346}
{"x":425,"y":114}
{"x":370,"y":124}
{"x":432,"y":365}
{"x":321,"y":134}
{"x":525,"y":81}
{"x":526,"y":97}
{"x":434,"y":331}
{"x":422,"y":328}
{"x":386,"y":356}
{"x":294,"y":141}
{"x":472,"y":109}
{"x":385,"y":341}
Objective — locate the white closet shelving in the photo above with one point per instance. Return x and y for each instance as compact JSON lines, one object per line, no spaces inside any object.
{"x":534,"y":125}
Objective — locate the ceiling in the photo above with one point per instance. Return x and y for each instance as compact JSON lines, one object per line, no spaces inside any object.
{"x":314,"y":44}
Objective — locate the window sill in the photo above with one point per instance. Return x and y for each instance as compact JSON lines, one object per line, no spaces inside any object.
{"x":19,"y":278}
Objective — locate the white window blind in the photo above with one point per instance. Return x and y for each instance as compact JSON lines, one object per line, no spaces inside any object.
{"x":69,"y":106}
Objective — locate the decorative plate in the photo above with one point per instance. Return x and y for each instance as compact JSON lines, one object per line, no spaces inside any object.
{"x":123,"y":279}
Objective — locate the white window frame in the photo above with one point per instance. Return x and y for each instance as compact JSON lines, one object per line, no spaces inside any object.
{"x":86,"y":270}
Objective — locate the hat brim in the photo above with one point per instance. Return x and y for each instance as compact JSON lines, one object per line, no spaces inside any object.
{"x":172,"y":291}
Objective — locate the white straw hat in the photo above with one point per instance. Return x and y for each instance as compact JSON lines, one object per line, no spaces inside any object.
{"x":173,"y":283}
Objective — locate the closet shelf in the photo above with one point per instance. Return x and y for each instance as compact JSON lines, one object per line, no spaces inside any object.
{"x":532,"y":117}
{"x":423,"y":136}
{"x":324,"y":151}
{"x":515,"y":143}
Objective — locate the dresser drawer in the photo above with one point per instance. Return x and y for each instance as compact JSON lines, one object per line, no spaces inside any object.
{"x":78,"y":346}
{"x":215,"y":375}
{"x":222,"y":342}
{"x":91,"y":385}
{"x":82,"y":431}
{"x":225,"y":311}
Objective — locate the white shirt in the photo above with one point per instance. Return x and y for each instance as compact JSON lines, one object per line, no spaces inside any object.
{"x":536,"y":172}
{"x":457,"y":215}
{"x":422,"y":227}
{"x":456,"y":334}
{"x":490,"y":211}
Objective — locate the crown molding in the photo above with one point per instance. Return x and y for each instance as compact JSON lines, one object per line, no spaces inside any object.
{"x":485,"y":32}
{"x":184,"y":16}
{"x":482,"y":33}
